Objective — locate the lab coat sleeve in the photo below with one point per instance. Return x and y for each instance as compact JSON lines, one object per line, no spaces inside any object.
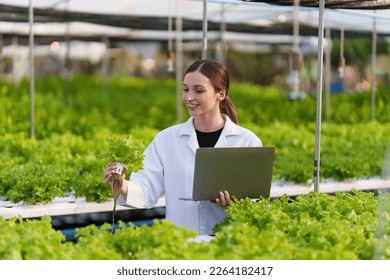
{"x":146,"y":186}
{"x":136,"y":198}
{"x":256,"y":142}
{"x":252,"y":139}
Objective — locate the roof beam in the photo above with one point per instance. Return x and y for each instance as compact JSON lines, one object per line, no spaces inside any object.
{"x":333,"y":4}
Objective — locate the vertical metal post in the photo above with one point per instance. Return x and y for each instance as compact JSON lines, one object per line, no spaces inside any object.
{"x":204,"y":49}
{"x":170,"y":53}
{"x":296,"y":26}
{"x":295,"y":58}
{"x":170,"y":47}
{"x":15,"y":47}
{"x":67,"y":65}
{"x":328,"y":71}
{"x":373,"y":68}
{"x":179,"y":61}
{"x":1,"y":49}
{"x":105,"y":62}
{"x":317,"y":160}
{"x":32,"y":75}
{"x":222,"y":43}
{"x":342,"y":58}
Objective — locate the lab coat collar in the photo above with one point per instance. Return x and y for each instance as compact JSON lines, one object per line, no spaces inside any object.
{"x":188,"y":130}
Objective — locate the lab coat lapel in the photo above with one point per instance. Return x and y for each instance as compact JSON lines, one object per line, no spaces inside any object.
{"x":229,"y":130}
{"x":222,"y":142}
{"x":188,"y":131}
{"x":193,"y":142}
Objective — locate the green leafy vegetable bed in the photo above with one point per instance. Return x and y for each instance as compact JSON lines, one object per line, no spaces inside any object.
{"x":344,"y":226}
{"x":63,"y":158}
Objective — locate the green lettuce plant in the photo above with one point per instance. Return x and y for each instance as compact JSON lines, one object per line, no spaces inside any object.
{"x":124,"y":149}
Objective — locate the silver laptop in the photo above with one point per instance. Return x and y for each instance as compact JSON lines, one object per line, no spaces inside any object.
{"x":242,"y":171}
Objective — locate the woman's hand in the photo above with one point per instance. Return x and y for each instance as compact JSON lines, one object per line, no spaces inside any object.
{"x":223,"y":199}
{"x":116,"y":181}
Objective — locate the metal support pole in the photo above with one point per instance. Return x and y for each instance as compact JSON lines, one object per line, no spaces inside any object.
{"x":15,"y":58}
{"x":317,"y":160}
{"x":105,"y":63}
{"x":296,"y":26}
{"x":373,"y":67}
{"x":67,"y":64}
{"x":170,"y":53}
{"x":342,"y":58}
{"x":328,"y":72}
{"x":179,"y":61}
{"x":222,"y":44}
{"x":295,"y":57}
{"x":204,"y":49}
{"x":32,"y":75}
{"x":170,"y":24}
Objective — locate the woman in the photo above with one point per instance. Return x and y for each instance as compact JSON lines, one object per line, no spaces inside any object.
{"x":170,"y":158}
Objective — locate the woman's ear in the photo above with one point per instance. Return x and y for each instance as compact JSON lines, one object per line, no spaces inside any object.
{"x":222,"y":94}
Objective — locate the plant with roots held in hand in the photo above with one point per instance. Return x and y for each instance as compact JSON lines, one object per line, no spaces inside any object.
{"x":127,"y":152}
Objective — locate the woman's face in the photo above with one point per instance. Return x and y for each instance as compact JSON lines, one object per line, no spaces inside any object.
{"x":199,"y":95}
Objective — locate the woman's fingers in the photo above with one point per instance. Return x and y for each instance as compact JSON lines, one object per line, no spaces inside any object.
{"x":227,"y":197}
{"x":110,"y":168}
{"x":113,"y":179}
{"x":223,"y":199}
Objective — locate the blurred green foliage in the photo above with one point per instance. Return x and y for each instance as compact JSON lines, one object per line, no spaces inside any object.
{"x":70,"y":134}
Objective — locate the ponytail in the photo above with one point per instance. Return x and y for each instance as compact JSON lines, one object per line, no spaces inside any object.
{"x":227,"y":107}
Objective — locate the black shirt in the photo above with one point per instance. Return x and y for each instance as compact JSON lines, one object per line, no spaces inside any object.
{"x":208,"y":139}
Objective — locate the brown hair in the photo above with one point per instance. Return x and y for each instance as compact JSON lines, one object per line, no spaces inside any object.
{"x":220,"y":79}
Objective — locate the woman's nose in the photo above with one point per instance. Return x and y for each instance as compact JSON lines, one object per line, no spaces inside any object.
{"x":188,"y":96}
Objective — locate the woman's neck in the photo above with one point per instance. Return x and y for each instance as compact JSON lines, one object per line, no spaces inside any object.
{"x":209,"y":124}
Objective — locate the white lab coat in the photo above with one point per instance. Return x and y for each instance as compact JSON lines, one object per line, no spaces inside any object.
{"x":169,"y":168}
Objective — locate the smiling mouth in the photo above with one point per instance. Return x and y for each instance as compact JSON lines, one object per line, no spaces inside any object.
{"x":192,"y":106}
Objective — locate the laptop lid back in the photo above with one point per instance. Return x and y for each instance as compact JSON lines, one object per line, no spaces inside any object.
{"x":242,"y":171}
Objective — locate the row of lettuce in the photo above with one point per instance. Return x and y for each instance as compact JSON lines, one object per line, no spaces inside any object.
{"x":71,"y":129}
{"x":131,"y":102}
{"x":35,"y":170}
{"x":317,"y":226}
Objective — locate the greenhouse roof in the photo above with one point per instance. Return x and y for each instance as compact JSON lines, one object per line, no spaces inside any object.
{"x":136,"y":20}
{"x":334,"y":4}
